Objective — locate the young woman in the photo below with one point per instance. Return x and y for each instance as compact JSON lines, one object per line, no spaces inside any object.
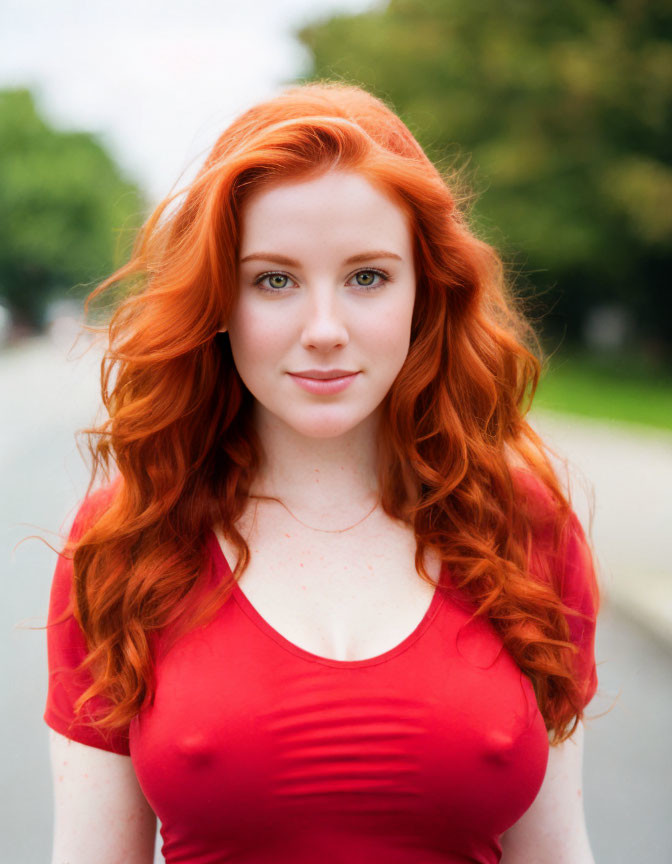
{"x":334,"y":604}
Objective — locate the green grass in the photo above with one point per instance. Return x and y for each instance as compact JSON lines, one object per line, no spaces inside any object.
{"x":623,"y":389}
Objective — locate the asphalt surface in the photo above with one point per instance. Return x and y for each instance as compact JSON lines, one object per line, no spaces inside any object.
{"x":628,"y":754}
{"x":625,"y":472}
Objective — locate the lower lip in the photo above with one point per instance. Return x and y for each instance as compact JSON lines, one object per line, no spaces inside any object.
{"x":324,"y":385}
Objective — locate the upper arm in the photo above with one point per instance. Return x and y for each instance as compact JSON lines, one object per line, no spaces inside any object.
{"x":100,"y":811}
{"x":553,"y":829}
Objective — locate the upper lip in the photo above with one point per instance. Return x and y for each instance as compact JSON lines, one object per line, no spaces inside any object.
{"x":324,"y":373}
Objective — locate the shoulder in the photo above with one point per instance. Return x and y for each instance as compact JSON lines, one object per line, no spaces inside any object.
{"x":534,"y":496}
{"x":559,"y":551}
{"x":88,"y":511}
{"x":92,"y":506}
{"x":555,"y":527}
{"x":67,"y":645}
{"x":560,"y":556}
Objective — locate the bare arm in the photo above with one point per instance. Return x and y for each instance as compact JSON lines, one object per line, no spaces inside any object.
{"x":553,"y":830}
{"x":100,"y":812}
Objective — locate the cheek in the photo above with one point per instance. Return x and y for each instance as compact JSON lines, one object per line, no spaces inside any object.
{"x":256,"y":337}
{"x":387,"y":336}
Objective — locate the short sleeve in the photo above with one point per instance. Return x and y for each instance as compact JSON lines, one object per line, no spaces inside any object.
{"x":580,"y":591}
{"x":66,"y":648}
{"x":572,"y":573}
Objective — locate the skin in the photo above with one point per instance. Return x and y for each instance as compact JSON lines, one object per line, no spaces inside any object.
{"x":100,"y":812}
{"x":320,"y":459}
{"x":325,"y":313}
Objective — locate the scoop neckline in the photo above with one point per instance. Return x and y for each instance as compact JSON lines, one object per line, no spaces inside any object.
{"x":245,"y":604}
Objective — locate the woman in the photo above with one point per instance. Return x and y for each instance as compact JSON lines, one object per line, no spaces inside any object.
{"x":335,"y":605}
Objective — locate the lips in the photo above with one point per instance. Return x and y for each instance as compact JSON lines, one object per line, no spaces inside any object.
{"x":337,"y":381}
{"x":324,"y":374}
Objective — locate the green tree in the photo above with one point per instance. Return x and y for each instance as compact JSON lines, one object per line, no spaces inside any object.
{"x":66,"y":213}
{"x":559,"y":115}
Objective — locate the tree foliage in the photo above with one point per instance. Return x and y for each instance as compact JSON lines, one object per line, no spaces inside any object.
{"x":561,"y":115}
{"x":66,"y":213}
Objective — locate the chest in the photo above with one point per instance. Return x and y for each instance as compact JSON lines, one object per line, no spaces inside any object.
{"x":251,"y":751}
{"x":343,"y":596}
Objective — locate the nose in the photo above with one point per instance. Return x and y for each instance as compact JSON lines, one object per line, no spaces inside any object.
{"x":324,"y":324}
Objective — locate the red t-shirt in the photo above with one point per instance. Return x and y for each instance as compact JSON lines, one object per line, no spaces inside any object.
{"x":257,"y":751}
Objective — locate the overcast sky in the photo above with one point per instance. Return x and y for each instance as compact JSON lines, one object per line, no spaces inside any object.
{"x":158,"y":80}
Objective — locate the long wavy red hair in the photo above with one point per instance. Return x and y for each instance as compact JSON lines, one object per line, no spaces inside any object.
{"x":458,"y":461}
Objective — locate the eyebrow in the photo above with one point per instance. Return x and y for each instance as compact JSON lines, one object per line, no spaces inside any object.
{"x":290,"y":262}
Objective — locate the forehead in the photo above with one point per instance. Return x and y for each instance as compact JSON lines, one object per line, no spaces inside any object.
{"x":333,"y":206}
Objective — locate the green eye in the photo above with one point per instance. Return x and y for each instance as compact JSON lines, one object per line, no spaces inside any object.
{"x":369,"y":279}
{"x":365,"y":278}
{"x":272,"y":282}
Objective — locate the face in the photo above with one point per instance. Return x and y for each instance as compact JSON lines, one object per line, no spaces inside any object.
{"x":326,"y":282}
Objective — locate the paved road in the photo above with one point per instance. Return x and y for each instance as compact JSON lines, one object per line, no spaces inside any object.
{"x":627,"y":792}
{"x":627,"y":470}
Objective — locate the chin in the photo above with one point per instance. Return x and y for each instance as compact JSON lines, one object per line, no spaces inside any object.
{"x":325,"y":426}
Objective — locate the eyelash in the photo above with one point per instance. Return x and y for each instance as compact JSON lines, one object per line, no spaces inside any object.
{"x":383,"y":275}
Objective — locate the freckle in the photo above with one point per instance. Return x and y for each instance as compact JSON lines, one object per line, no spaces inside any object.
{"x":301,"y":565}
{"x":579,"y":793}
{"x":60,"y":778}
{"x":288,"y":535}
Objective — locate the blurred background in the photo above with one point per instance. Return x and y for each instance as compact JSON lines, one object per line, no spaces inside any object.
{"x":557,"y":118}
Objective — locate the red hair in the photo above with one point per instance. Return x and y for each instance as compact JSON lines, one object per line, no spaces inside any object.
{"x":458,"y":461}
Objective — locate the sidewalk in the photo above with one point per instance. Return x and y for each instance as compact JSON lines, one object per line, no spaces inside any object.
{"x":628,"y":469}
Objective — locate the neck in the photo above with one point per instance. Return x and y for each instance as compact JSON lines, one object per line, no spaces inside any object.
{"x":328,"y":476}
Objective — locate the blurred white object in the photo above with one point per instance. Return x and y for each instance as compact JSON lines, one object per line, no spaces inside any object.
{"x":64,"y":319}
{"x":607,"y":327}
{"x":5,"y":324}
